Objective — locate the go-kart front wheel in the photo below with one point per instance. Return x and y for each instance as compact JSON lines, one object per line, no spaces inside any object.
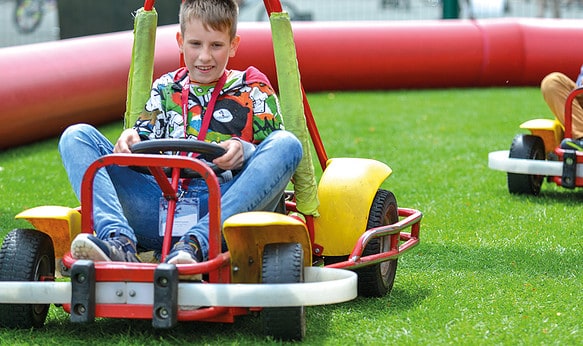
{"x":282,"y":264}
{"x":377,"y":280}
{"x":26,"y":255}
{"x":531,"y":148}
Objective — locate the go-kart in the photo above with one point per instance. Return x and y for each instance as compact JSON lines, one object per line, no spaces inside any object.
{"x":276,"y":264}
{"x":537,"y":155}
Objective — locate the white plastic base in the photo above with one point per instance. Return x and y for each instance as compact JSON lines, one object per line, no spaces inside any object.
{"x":321,"y":286}
{"x":500,"y":161}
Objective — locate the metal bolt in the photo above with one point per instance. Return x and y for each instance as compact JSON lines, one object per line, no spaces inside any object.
{"x":163,"y":313}
{"x":80,"y":309}
{"x":132,"y":293}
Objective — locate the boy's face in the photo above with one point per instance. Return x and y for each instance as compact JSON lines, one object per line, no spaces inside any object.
{"x":206,"y":51}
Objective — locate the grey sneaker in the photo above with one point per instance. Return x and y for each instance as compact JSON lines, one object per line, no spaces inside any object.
{"x":185,"y":251}
{"x":574,"y":144}
{"x":115,"y":249}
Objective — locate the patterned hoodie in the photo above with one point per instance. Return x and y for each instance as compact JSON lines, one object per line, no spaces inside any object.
{"x":247,"y":108}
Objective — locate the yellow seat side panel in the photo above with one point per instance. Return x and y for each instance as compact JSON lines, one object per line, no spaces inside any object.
{"x":346,"y":192}
{"x":62,"y":224}
{"x":549,"y":130}
{"x":247,"y":234}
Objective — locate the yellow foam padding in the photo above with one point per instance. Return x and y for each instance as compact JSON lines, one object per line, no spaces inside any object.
{"x":292,"y":108}
{"x":549,"y":130}
{"x":142,"y":65}
{"x":247,"y":234}
{"x":62,"y":224}
{"x":346,"y":191}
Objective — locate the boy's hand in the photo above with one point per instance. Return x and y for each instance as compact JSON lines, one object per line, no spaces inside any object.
{"x":233,"y":157}
{"x":127,"y":138}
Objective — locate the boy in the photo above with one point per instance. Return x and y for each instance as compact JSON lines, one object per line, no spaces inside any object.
{"x":259,"y":161}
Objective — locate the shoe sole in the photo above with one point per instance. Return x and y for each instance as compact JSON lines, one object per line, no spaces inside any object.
{"x":183,"y":257}
{"x":83,"y":248}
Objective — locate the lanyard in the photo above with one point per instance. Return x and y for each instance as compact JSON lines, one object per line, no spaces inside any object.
{"x":206,"y":117}
{"x":208,"y":113}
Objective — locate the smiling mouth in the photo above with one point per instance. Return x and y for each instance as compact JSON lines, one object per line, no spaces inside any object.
{"x":204,"y":68}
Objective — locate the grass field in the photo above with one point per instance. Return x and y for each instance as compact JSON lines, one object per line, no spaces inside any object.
{"x":491,"y":269}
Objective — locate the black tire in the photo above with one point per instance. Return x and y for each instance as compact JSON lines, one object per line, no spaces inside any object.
{"x":377,"y":280}
{"x":26,"y":255}
{"x":283,"y":263}
{"x":526,"y":147}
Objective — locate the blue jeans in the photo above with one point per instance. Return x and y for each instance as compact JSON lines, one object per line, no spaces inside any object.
{"x":127,"y":202}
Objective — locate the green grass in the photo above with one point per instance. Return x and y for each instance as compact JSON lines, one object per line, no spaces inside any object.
{"x":492,"y":268}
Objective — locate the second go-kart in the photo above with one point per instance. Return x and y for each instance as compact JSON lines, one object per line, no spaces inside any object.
{"x":277,"y":262}
{"x":539,"y":155}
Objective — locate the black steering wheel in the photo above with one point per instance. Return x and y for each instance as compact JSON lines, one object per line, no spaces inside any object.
{"x":207,"y":151}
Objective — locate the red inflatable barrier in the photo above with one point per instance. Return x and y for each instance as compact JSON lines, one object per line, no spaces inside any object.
{"x":45,"y":87}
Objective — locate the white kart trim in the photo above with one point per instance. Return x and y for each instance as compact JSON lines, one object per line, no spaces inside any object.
{"x":500,"y":161}
{"x":321,"y":286}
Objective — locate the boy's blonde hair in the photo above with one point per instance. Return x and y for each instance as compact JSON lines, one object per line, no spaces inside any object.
{"x":219,"y":15}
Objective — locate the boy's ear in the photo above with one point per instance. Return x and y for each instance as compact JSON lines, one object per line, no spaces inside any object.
{"x":234,"y":46}
{"x":179,"y":40}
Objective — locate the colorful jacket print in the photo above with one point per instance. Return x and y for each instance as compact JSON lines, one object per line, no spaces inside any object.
{"x":247,"y":108}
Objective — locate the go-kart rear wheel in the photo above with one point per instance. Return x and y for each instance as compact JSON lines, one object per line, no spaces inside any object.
{"x":26,"y":255}
{"x":526,"y":147}
{"x":377,"y":280}
{"x":283,"y":263}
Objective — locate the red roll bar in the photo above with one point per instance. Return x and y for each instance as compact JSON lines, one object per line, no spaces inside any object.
{"x":149,"y":4}
{"x":275,"y":6}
